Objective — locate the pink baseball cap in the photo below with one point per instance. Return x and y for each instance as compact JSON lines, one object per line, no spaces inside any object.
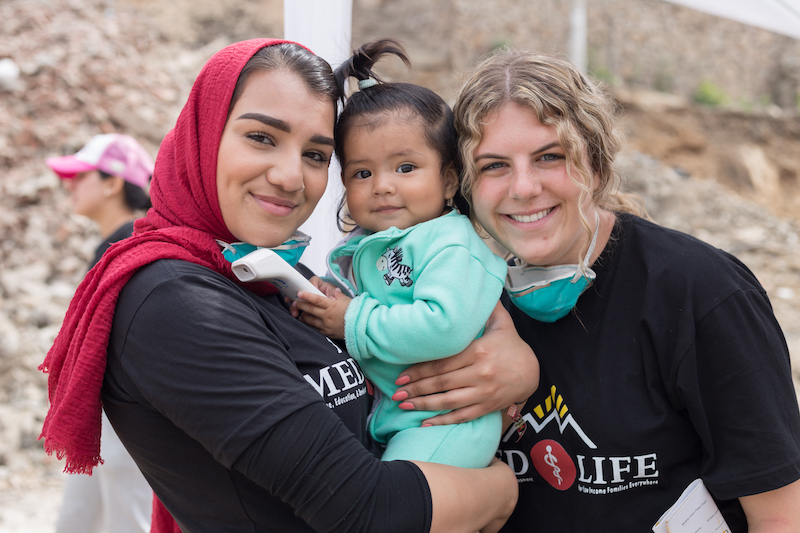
{"x":113,"y":153}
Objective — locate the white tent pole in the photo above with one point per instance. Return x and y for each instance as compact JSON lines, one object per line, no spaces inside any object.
{"x":325,"y":27}
{"x":578,"y":35}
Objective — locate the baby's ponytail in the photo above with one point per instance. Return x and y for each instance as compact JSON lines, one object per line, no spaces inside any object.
{"x":361,"y":63}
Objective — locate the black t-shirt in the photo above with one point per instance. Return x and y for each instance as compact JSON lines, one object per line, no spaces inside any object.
{"x":229,"y":407}
{"x":671,"y":367}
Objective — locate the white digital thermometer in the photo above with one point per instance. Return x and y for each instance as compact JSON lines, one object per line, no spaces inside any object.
{"x":265,"y":265}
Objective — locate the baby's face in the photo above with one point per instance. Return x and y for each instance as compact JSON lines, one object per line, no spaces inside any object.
{"x":392,"y":176}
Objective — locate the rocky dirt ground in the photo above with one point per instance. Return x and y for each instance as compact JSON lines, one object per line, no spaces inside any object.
{"x":90,"y":65}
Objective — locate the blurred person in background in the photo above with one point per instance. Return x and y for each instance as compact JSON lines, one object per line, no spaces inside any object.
{"x":107,"y":181}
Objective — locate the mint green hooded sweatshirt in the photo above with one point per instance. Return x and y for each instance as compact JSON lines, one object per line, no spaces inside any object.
{"x":423,"y":293}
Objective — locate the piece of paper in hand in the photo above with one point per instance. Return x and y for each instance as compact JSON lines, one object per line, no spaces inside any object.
{"x":694,"y":512}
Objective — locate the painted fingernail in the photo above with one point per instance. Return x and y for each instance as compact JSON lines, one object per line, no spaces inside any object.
{"x":427,"y":425}
{"x":400,"y":395}
{"x":402,"y":380}
{"x":406,"y":405}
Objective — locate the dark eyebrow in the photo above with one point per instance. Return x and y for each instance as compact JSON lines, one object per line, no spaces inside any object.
{"x":283,"y":126}
{"x":269,"y":121}
{"x":321,"y":139}
{"x":548,"y":147}
{"x":537,"y":151}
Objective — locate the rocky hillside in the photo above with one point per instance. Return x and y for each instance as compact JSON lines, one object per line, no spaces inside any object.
{"x":89,"y":66}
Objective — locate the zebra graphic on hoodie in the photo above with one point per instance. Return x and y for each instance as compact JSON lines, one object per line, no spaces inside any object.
{"x":391,"y":260}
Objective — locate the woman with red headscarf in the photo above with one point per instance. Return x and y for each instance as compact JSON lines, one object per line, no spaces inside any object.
{"x":240,"y":417}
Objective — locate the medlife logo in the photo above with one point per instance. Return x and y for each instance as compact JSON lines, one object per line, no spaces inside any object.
{"x":594,"y":474}
{"x":337,"y":378}
{"x":553,"y":409}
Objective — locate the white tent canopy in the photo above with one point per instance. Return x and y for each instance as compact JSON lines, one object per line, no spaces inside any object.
{"x":779,"y":16}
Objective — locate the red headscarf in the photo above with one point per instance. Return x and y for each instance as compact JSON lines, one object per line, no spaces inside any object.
{"x":183,"y":224}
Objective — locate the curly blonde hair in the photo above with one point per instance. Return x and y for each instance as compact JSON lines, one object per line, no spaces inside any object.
{"x":582,"y":113}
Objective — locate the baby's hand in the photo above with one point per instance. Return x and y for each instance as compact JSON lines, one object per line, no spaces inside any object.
{"x":325,"y":314}
{"x":328,"y":289}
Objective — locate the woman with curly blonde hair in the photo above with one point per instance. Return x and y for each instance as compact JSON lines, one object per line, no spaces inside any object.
{"x":661,"y":360}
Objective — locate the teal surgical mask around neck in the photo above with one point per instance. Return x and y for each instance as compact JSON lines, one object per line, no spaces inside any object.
{"x":550,"y":293}
{"x":290,"y":251}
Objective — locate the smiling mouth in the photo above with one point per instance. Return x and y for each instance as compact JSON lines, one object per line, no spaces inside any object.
{"x":531,"y":218}
{"x":275,"y":205}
